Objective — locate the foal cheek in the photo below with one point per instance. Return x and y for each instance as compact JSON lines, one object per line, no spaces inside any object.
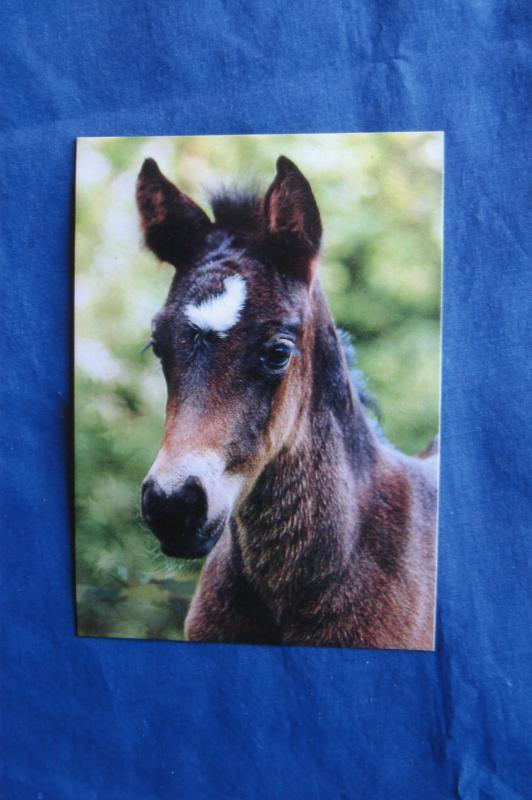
{"x":285,"y":413}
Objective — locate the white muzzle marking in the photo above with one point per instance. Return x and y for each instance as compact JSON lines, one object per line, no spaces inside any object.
{"x":222,"y":489}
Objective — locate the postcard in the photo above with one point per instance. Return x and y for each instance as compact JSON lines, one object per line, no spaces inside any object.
{"x":257,"y":380}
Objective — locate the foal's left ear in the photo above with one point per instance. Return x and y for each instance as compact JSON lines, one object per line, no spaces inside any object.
{"x":174,"y":225}
{"x":293,"y":224}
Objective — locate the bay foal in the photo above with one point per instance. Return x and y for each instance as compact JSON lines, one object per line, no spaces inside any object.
{"x":318,"y":531}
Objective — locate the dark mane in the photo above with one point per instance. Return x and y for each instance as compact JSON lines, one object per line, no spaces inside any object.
{"x":237,"y":210}
{"x":358,"y":379}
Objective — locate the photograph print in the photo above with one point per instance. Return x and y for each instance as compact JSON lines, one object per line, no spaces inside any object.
{"x":257,"y":382}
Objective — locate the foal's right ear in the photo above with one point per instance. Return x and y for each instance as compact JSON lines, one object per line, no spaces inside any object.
{"x":174,"y":226}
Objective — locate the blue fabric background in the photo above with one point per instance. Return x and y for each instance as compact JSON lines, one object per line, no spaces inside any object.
{"x":126,"y":720}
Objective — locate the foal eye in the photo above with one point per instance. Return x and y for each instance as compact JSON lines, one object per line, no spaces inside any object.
{"x":276,"y":356}
{"x":155,"y":348}
{"x":157,"y":352}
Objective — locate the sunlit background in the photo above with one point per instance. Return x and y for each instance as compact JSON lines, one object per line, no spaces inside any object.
{"x":380,"y":199}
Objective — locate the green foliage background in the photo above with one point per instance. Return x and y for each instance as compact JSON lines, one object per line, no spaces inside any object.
{"x":380,"y":198}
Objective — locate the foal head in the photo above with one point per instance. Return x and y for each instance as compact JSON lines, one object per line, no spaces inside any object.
{"x":233,"y":341}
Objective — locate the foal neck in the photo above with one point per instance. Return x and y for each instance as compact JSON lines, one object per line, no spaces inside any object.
{"x":293,"y":523}
{"x":334,"y":411}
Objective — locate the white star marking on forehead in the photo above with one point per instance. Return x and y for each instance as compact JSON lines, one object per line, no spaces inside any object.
{"x":220,"y":312}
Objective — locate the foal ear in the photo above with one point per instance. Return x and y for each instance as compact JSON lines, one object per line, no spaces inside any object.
{"x":293,"y":221}
{"x":174,"y":226}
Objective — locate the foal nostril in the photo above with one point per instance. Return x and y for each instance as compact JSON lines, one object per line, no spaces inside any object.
{"x":146,"y":499}
{"x":194,"y":499}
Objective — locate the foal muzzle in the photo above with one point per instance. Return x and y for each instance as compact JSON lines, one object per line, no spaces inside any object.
{"x":179,"y":518}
